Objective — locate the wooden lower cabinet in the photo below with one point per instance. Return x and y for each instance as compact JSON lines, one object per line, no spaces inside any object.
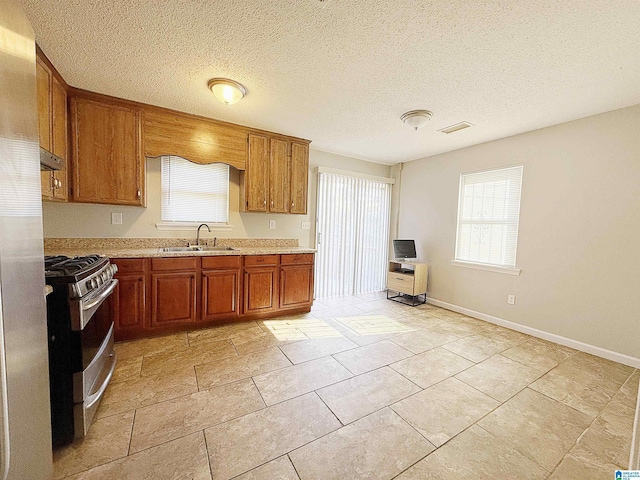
{"x":220,"y":287}
{"x":162,"y":295}
{"x":296,"y":286}
{"x":260,"y":289}
{"x":129,"y":299}
{"x":129,"y":303}
{"x":173,"y":298}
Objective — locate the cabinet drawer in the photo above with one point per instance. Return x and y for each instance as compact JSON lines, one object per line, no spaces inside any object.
{"x":129,"y":265}
{"x":260,"y":260}
{"x":167,"y":264}
{"x":400,"y":283}
{"x":297,"y":258}
{"x":221,"y":262}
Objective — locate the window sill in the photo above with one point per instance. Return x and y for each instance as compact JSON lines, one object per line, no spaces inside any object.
{"x":488,"y":268}
{"x":191,"y":226}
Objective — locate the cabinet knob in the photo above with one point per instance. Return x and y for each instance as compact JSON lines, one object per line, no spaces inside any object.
{"x":139,"y":193}
{"x":272,"y":203}
{"x":265,"y":203}
{"x":293,"y":204}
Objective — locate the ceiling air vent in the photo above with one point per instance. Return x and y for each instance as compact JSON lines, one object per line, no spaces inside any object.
{"x":456,"y":128}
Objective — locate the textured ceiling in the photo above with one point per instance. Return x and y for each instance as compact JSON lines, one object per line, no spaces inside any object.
{"x":341,"y":72}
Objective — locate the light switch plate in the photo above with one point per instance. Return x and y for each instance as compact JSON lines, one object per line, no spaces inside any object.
{"x":116,"y":218}
{"x":306,"y":225}
{"x":511,"y":299}
{"x":272,"y":224}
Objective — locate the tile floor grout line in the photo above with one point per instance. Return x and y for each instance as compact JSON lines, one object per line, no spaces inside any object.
{"x":206,"y":447}
{"x":330,"y":409}
{"x":259,"y":393}
{"x":294,"y":466}
{"x":133,"y":426}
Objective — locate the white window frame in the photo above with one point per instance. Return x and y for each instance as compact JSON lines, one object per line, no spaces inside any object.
{"x":459,"y":261}
{"x":166,"y":224}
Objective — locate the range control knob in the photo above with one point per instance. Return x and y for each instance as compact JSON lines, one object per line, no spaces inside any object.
{"x":94,"y":283}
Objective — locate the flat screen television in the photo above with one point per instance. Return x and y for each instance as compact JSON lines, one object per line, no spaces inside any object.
{"x":404,"y":249}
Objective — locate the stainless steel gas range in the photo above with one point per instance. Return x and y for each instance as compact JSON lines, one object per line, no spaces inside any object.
{"x":81,"y":355}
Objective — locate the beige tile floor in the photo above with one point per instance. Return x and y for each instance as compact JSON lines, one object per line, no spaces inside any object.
{"x":361,"y":388}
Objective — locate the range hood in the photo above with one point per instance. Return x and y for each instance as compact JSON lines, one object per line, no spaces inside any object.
{"x":48,"y":161}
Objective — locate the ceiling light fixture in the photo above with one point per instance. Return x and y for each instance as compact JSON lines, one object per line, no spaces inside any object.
{"x":226,"y":90}
{"x":416,"y":118}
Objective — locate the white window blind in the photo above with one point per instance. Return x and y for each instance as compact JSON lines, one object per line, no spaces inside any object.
{"x":488,"y":215}
{"x":194,"y":193}
{"x":353,"y":235}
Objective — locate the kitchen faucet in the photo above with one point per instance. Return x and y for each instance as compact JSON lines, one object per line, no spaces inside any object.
{"x":198,"y":233}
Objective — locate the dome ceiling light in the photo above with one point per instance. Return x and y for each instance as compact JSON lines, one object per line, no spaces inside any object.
{"x":416,"y":118}
{"x":226,"y":90}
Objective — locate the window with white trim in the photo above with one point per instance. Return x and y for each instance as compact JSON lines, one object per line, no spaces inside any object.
{"x":192,"y":192}
{"x":488,"y":215}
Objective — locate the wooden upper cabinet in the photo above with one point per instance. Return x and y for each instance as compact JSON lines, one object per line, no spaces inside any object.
{"x":197,"y":139}
{"x":60,"y":138}
{"x":299,"y":184}
{"x":108,"y":164}
{"x":52,"y":129}
{"x":279,"y":176}
{"x":44,"y":79}
{"x":257,"y":174}
{"x":283,"y":174}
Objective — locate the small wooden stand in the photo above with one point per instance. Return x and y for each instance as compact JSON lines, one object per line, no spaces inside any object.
{"x":409,"y":281}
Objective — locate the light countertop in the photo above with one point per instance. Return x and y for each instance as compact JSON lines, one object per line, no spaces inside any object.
{"x":155,"y":252}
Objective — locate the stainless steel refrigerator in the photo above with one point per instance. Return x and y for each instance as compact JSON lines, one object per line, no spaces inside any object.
{"x":25,"y":425}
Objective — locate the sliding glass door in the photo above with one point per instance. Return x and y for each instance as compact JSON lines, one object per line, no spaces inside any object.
{"x":352,"y":234}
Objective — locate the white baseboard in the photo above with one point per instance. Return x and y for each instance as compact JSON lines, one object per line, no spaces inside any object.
{"x":534,"y":332}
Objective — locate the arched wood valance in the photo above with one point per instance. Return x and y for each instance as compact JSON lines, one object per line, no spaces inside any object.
{"x":195,"y":138}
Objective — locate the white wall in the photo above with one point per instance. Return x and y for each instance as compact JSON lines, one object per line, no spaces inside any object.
{"x":579,"y":235}
{"x":87,"y":220}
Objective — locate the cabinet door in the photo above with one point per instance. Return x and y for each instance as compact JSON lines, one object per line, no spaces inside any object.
{"x":173,"y":298}
{"x":107,"y":155}
{"x":260,"y":290}
{"x":279,"y":176}
{"x":220,"y":289}
{"x":299,"y":177}
{"x":128,"y":307}
{"x":60,"y":138}
{"x":296,"y":286}
{"x":43,"y":82}
{"x":257,"y":174}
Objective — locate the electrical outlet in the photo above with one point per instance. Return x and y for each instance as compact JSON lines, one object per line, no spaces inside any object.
{"x":306,"y":225}
{"x":272,"y":224}
{"x":116,"y":218}
{"x":511,"y":299}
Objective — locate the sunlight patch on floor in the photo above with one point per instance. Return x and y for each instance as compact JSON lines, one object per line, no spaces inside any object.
{"x":373,"y":325}
{"x":300,"y":329}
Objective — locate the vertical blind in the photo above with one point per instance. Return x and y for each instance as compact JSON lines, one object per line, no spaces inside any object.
{"x":488,"y":215}
{"x":353,"y":235}
{"x":194,"y":193}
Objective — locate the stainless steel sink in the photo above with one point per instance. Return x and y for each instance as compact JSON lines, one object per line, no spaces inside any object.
{"x":201,"y":248}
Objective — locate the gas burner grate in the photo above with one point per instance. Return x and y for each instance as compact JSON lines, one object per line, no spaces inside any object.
{"x":61,"y":265}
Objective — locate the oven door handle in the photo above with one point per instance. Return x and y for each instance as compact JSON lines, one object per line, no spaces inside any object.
{"x":98,"y":300}
{"x":95,"y":397}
